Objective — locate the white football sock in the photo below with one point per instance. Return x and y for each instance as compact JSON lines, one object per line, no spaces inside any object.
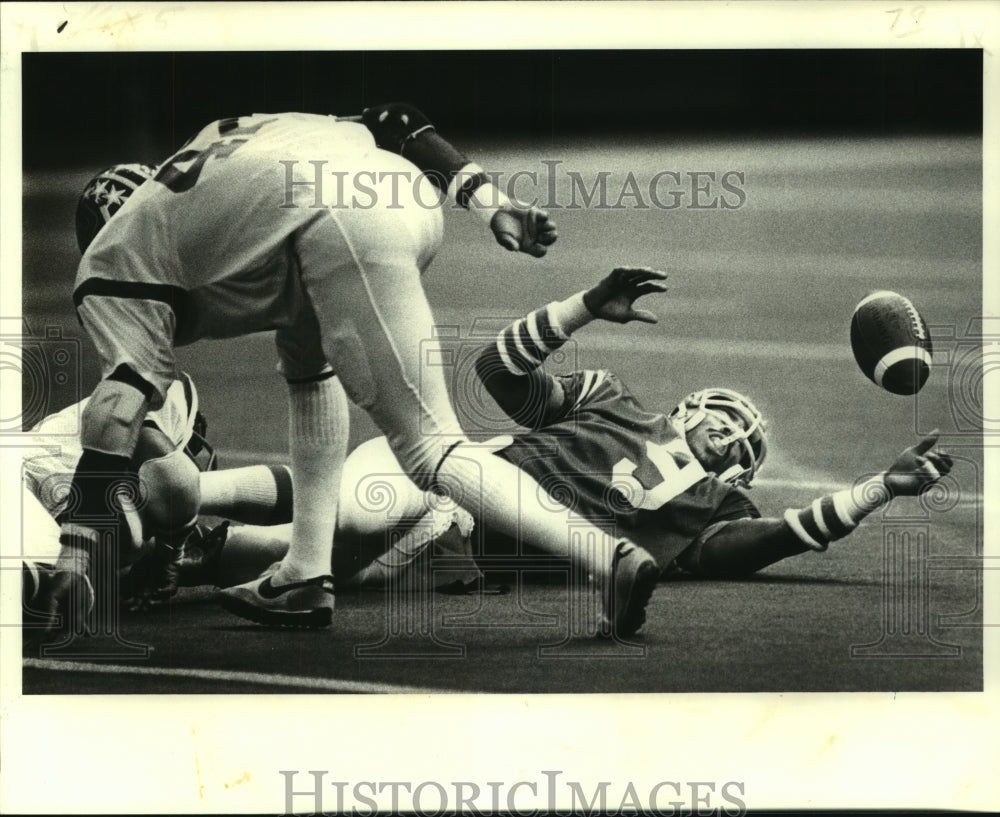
{"x":318,"y":431}
{"x":256,"y":495}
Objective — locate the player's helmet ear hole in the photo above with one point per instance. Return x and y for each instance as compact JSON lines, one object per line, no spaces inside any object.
{"x":751,"y":437}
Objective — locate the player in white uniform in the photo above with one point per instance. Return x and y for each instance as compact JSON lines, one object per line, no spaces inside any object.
{"x":167,"y":506}
{"x":234,"y":236}
{"x":55,"y":450}
{"x":177,"y":481}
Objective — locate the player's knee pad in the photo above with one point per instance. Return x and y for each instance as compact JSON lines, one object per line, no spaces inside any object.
{"x":111,"y":421}
{"x":172,"y":495}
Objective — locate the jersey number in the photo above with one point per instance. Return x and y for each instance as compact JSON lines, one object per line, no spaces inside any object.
{"x":675,"y":479}
{"x":178,"y":180}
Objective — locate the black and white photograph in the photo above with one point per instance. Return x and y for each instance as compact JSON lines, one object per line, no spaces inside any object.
{"x":462,"y":408}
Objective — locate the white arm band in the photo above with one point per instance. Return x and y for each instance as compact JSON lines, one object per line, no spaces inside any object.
{"x":569,"y":315}
{"x":485,"y":200}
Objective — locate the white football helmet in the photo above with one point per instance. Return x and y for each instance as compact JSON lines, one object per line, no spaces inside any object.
{"x":195,"y":429}
{"x":104,"y":196}
{"x":752,"y":437}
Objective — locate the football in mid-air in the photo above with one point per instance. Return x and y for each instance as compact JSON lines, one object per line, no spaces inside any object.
{"x":891,"y":343}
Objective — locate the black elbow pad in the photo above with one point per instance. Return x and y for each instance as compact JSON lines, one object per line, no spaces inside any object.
{"x":393,"y":124}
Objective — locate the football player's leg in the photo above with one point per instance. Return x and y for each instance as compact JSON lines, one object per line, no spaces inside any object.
{"x":171,"y":489}
{"x":171,"y":498}
{"x":378,"y":329}
{"x":254,"y":494}
{"x":375,"y":492}
{"x":41,"y":533}
{"x":300,"y":592}
{"x":382,"y":506}
{"x":133,"y":339}
{"x":318,"y":432}
{"x":248,"y":551}
{"x":40,"y":553}
{"x":318,"y":447}
{"x":39,"y":550}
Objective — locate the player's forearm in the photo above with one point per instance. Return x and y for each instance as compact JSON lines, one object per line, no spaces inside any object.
{"x":744,"y":546}
{"x":526,"y":343}
{"x":741,"y":548}
{"x":509,"y":367}
{"x":404,"y":129}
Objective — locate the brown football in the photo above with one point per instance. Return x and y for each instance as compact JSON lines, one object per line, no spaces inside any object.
{"x":891,"y":343}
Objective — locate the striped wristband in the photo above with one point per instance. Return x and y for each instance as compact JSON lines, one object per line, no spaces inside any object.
{"x":834,"y":516}
{"x":524,"y":344}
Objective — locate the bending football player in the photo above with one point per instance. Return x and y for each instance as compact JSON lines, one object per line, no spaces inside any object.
{"x":226,"y":240}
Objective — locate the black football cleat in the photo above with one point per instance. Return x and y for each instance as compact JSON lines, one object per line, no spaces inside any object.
{"x":634,"y":574}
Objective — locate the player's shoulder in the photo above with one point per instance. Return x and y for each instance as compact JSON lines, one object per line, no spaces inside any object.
{"x":249,"y":124}
{"x":591,"y":387}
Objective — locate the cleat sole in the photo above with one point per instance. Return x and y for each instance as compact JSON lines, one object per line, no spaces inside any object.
{"x":315,"y":619}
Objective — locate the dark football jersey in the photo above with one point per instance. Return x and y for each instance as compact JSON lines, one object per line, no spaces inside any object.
{"x":625,"y":468}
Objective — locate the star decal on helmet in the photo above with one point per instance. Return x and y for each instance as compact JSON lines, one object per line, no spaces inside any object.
{"x":115,"y":196}
{"x":100,"y":191}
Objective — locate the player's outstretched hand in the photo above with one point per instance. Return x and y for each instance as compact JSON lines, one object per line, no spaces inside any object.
{"x":58,"y":607}
{"x":527,"y":230}
{"x":151,"y":579}
{"x":612,"y":298}
{"x":917,"y":467}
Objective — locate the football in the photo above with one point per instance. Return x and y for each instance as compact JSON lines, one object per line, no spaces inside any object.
{"x":891,"y":343}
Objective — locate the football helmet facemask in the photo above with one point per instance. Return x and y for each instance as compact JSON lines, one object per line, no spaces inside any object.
{"x":752,"y":438}
{"x":196,"y":429}
{"x":104,"y":196}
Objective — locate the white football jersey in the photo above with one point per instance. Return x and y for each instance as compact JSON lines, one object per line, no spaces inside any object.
{"x":214,"y":224}
{"x":214,"y":234}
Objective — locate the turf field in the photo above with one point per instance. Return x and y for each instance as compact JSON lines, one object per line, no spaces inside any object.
{"x":760,"y":300}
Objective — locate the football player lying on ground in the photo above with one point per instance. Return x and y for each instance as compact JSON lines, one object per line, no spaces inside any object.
{"x":203,"y":250}
{"x":176,"y":472}
{"x":164,"y":544}
{"x":671,"y":482}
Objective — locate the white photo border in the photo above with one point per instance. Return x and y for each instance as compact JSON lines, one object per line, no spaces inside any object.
{"x":194,"y":754}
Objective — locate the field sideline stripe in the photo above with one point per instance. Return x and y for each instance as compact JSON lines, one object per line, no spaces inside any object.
{"x":819,"y":486}
{"x":829,"y":487}
{"x":607,"y":340}
{"x":258,"y":678}
{"x":761,"y":349}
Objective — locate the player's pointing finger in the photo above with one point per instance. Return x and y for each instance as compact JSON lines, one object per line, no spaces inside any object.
{"x":927,"y":443}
